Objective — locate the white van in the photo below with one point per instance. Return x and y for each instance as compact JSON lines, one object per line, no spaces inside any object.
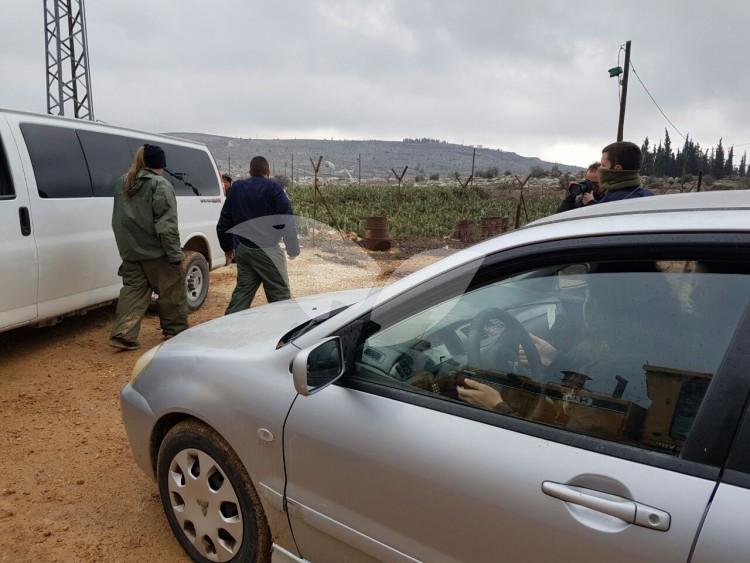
{"x":57,"y":250}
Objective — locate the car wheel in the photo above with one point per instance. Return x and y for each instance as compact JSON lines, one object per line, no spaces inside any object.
{"x":209,"y":499}
{"x":195,"y":270}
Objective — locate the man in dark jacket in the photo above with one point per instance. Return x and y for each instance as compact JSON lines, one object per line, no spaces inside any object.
{"x":144,"y":220}
{"x":257,"y":215}
{"x":618,"y":174}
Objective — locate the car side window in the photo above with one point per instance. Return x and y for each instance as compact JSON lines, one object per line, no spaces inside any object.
{"x":108,"y":157}
{"x":623,"y":351}
{"x":59,"y":165}
{"x":6,"y":184}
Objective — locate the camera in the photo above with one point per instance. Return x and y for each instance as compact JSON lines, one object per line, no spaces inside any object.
{"x":582,"y":187}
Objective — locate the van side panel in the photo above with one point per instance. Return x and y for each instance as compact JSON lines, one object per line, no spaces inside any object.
{"x":18,"y":257}
{"x":78,"y":258}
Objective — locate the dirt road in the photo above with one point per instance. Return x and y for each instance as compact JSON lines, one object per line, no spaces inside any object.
{"x":69,"y":489}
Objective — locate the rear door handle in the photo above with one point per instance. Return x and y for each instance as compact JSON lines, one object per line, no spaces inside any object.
{"x":628,"y":510}
{"x":25,"y":218}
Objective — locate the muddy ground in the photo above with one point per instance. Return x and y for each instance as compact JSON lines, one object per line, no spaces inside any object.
{"x":69,"y":489}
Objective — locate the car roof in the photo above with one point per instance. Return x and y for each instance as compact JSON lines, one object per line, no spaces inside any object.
{"x":70,"y":121}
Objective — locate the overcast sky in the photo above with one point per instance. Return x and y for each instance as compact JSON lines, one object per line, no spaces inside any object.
{"x":529,"y":76}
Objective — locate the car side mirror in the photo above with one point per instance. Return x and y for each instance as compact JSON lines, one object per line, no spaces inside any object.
{"x":318,"y":366}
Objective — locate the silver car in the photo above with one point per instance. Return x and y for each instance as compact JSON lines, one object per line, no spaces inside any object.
{"x":572,"y":391}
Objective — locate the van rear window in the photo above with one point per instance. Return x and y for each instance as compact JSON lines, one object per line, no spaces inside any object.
{"x":57,"y":158}
{"x":6,"y":184}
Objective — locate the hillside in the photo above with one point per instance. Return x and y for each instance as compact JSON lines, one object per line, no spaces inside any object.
{"x":340,"y":158}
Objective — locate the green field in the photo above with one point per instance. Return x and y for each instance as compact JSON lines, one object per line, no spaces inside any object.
{"x":424,"y":211}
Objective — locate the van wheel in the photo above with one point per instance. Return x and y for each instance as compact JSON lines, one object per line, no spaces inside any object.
{"x":195,"y":270}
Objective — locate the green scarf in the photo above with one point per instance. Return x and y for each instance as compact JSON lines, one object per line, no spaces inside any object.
{"x":612,"y":180}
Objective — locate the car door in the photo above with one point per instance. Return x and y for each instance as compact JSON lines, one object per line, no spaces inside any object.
{"x":601,"y":456}
{"x":723,"y":536}
{"x":18,"y":259}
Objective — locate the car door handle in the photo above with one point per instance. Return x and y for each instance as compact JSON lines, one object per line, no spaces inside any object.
{"x":625,"y":509}
{"x":25,"y":219}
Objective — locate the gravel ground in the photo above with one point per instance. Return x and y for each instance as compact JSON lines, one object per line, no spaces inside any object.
{"x":69,"y":489}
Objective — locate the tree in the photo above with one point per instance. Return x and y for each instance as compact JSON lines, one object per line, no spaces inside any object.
{"x":717,"y":166}
{"x":668,"y":158}
{"x":648,"y":159}
{"x":692,"y":157}
{"x":729,"y":164}
{"x":743,"y":165}
{"x":659,"y":161}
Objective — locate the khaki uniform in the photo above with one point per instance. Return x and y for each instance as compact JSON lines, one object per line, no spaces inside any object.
{"x":256,"y":266}
{"x":145,"y":225}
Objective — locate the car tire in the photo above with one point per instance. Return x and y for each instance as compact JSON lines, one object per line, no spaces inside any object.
{"x":194,"y":463}
{"x":196,"y":272}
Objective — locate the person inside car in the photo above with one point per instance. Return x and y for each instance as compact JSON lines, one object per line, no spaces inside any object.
{"x":616,"y":339}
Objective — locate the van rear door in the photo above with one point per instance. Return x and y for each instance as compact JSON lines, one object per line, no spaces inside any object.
{"x":18,"y":256}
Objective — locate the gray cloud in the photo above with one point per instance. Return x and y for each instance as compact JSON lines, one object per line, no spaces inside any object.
{"x":529,"y":77}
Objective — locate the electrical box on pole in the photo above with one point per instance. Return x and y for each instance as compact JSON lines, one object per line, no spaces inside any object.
{"x":68,"y":78}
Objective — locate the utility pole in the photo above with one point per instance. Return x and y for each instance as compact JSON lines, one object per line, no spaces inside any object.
{"x":359,"y":171}
{"x":292,"y":170}
{"x":473,"y":157}
{"x":624,"y":93}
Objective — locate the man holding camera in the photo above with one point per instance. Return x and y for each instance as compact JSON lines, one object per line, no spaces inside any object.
{"x":584,"y":192}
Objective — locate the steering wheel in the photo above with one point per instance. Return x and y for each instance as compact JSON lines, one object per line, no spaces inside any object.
{"x":514,"y":334}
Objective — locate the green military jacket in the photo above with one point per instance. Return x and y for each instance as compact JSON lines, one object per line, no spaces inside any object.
{"x":145,"y":219}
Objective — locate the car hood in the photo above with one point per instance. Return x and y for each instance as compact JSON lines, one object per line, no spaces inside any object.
{"x":263,"y":327}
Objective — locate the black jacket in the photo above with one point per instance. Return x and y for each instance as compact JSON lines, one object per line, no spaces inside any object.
{"x":258,"y":213}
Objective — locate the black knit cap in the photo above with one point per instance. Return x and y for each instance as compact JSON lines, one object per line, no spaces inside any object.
{"x":153,"y":157}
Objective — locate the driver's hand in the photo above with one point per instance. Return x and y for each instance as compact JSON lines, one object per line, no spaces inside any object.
{"x":547,"y":352}
{"x":479,"y":394}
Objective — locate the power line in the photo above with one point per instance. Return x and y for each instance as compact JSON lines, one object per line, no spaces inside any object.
{"x":655,"y":103}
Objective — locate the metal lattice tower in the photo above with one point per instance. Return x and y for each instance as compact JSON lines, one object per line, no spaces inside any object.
{"x":68,"y":78}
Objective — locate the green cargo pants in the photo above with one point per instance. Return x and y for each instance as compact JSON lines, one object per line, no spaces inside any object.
{"x":139,"y":280}
{"x":256,"y":265}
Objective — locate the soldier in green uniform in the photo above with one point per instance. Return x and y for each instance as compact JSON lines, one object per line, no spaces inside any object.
{"x":144,"y":220}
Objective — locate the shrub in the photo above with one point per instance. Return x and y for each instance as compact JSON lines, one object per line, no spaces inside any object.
{"x":489,"y":173}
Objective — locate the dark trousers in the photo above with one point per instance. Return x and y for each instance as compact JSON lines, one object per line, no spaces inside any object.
{"x":256,"y":266}
{"x":139,"y":281}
